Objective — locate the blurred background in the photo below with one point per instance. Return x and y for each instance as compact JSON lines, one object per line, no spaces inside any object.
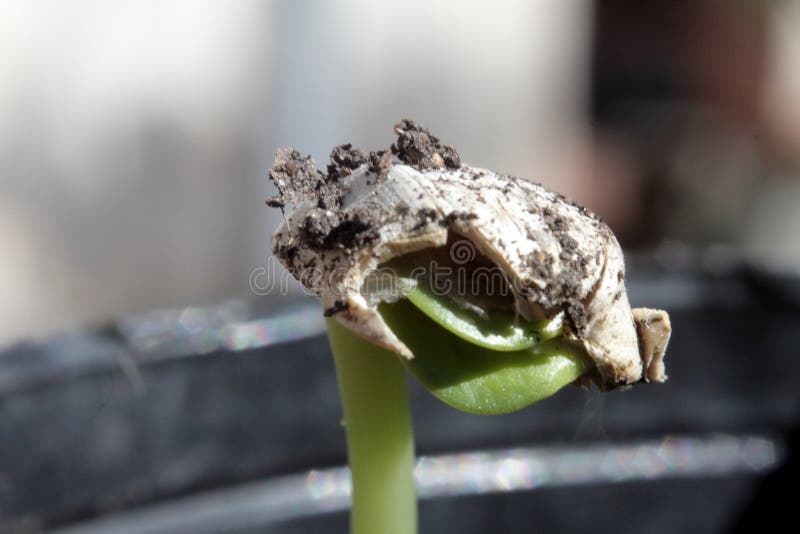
{"x":135,"y":139}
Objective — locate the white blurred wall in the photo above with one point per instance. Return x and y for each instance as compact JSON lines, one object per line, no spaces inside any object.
{"x":771,"y":235}
{"x":127,"y":134}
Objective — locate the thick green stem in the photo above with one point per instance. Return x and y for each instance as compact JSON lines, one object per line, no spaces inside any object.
{"x":380,"y":439}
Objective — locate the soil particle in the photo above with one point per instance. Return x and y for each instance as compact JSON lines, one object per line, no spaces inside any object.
{"x":563,"y":290}
{"x":297,"y":179}
{"x":344,"y":159}
{"x":451,"y":158}
{"x":287,"y":252}
{"x":339,"y":305}
{"x":454,"y":216}
{"x":380,"y":163}
{"x":317,"y":225}
{"x":357,"y":228}
{"x":541,"y":264}
{"x":424,"y":216}
{"x":419,"y":148}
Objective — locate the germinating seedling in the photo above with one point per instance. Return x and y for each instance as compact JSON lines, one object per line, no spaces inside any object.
{"x":562,"y":315}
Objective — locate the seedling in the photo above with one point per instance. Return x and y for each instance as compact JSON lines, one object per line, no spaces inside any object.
{"x":559,"y":314}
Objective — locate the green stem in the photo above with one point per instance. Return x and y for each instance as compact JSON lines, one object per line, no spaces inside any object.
{"x":380,"y":439}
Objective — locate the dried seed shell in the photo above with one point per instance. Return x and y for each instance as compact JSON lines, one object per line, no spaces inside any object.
{"x":556,"y":256}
